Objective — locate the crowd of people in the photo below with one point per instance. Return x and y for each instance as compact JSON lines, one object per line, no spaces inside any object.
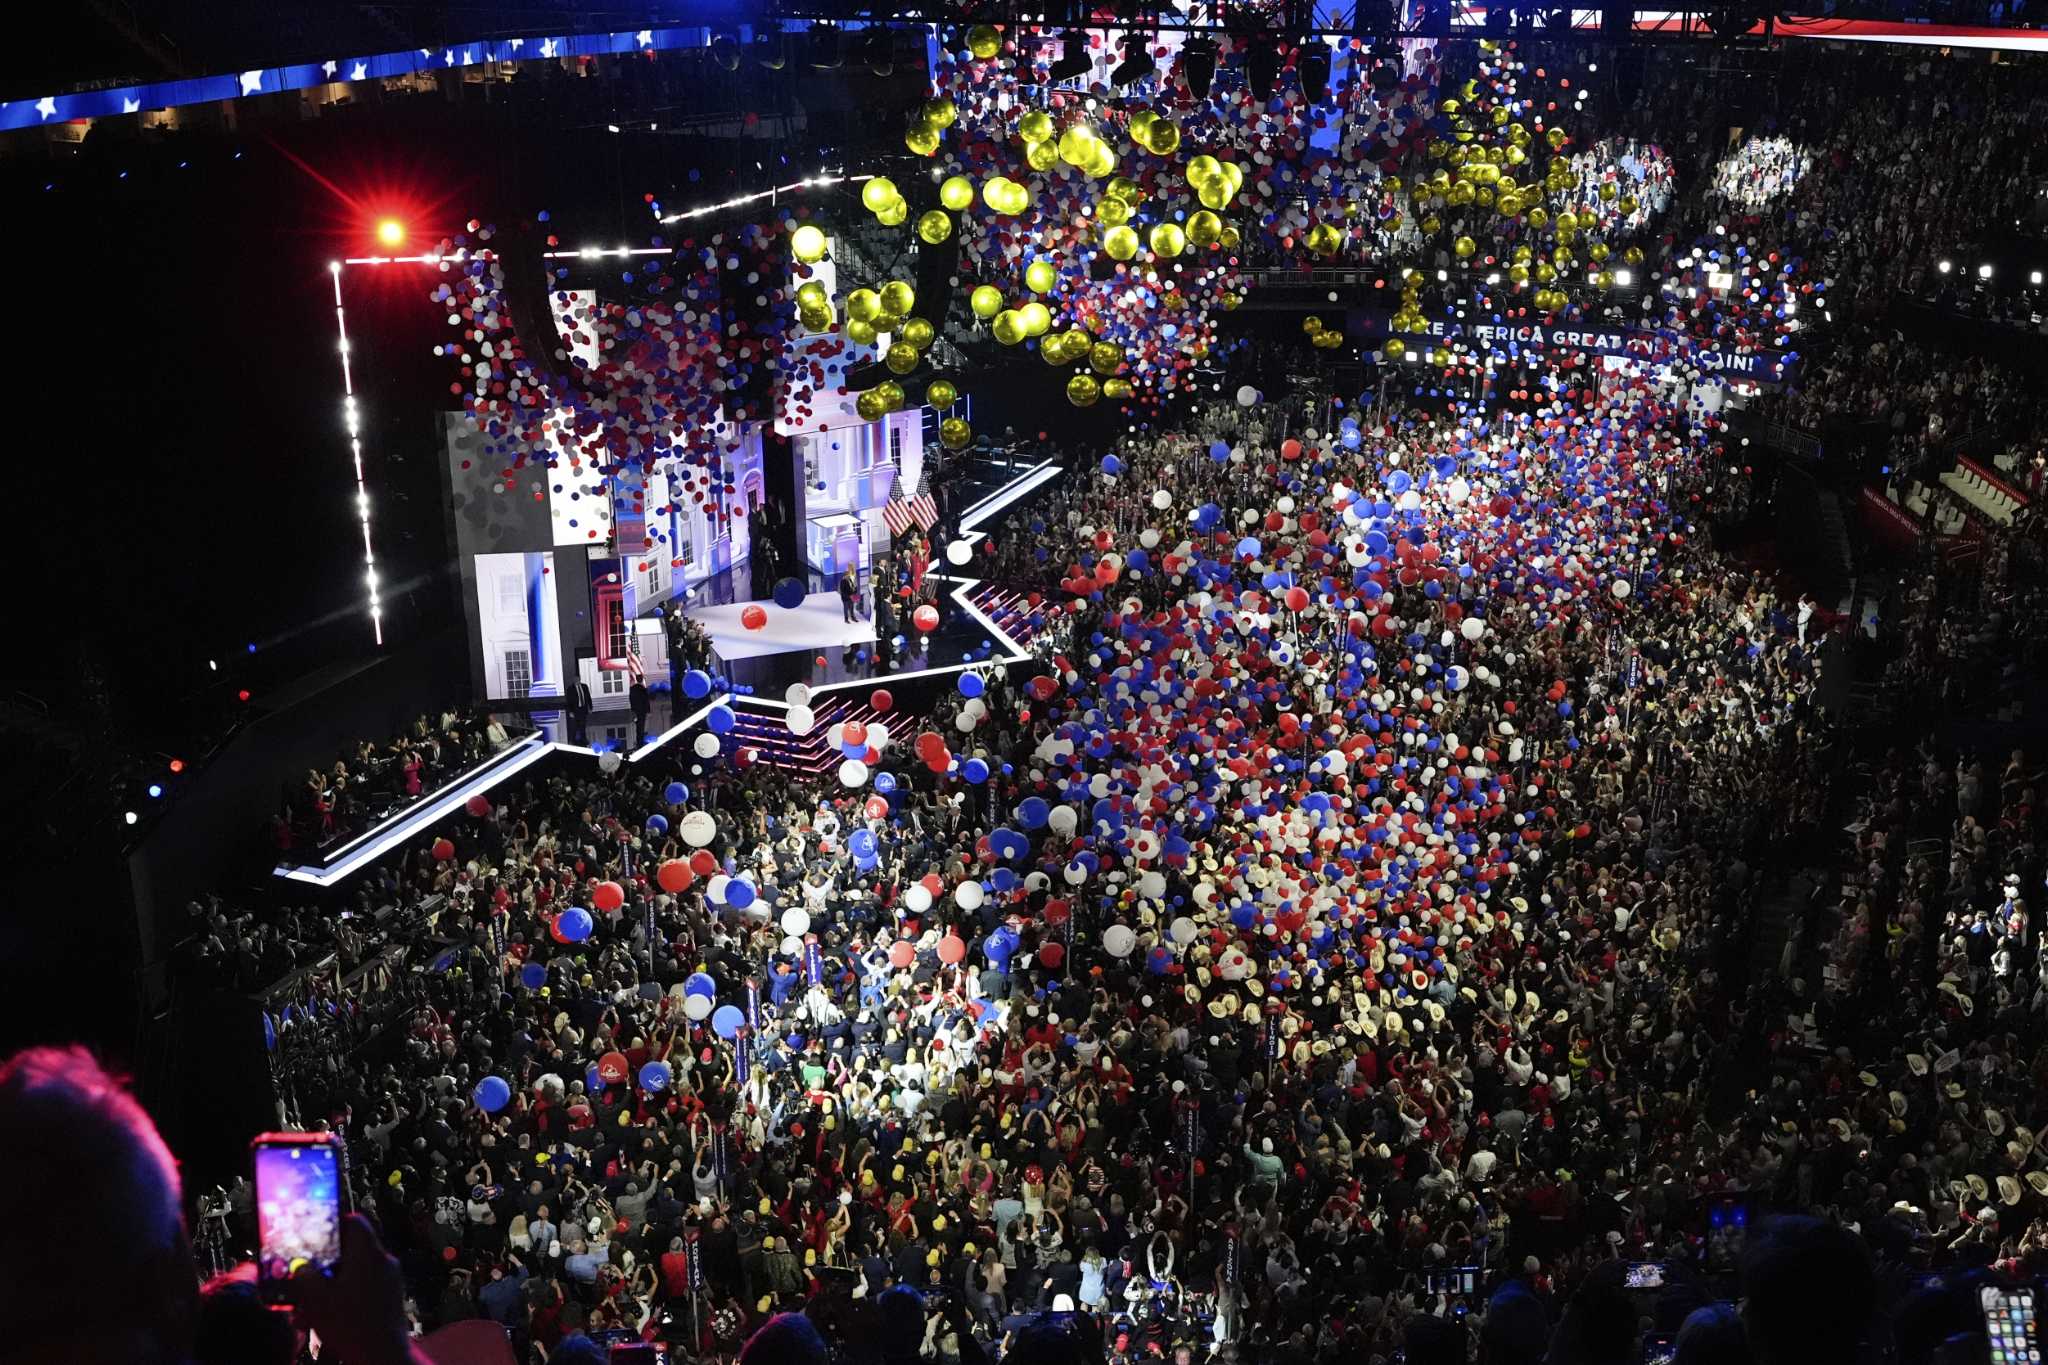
{"x":369,"y":781}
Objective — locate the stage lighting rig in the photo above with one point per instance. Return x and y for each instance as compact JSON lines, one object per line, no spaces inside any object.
{"x":878,"y":51}
{"x":1261,"y":65}
{"x":825,"y":49}
{"x":1198,"y":64}
{"x":725,"y":49}
{"x":770,"y":52}
{"x":1137,"y":63}
{"x":1312,"y":64}
{"x":1074,"y":61}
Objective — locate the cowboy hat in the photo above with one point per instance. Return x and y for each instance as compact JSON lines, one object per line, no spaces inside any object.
{"x":2039,"y":1181}
{"x":1897,"y":1102}
{"x":2009,"y":1191}
{"x":1979,"y":1187}
{"x":1953,"y":1091}
{"x":1869,"y":1080}
{"x":1841,"y":1127}
{"x":1916,"y":1064}
{"x":1995,"y":1121}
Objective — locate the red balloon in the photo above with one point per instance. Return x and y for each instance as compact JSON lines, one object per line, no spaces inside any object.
{"x":1290,"y":449}
{"x":753,"y":616}
{"x":1297,"y":599}
{"x":901,"y":954}
{"x":608,"y":896}
{"x":674,"y":876}
{"x":931,"y":882}
{"x":877,"y":807}
{"x":881,"y":700}
{"x":952,"y":948}
{"x":478,"y":805}
{"x":444,"y":849}
{"x":1052,"y":954}
{"x":926,"y":618}
{"x":613,"y":1067}
{"x":704,"y":862}
{"x":853,"y":732}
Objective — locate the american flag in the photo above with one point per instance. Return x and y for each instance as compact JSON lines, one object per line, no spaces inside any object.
{"x":900,"y":511}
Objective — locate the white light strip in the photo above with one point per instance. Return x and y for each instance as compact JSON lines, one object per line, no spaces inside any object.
{"x":413,"y":822}
{"x":809,"y":182}
{"x":355,"y":446}
{"x":722,"y":699}
{"x":1003,"y":497}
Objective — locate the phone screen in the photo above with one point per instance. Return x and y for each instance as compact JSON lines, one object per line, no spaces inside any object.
{"x":298,"y":1207}
{"x":1659,"y":1350}
{"x":2009,"y":1325}
{"x":1645,"y":1275}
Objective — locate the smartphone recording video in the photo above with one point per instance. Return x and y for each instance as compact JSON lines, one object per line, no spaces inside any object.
{"x":298,"y":1206}
{"x":2009,"y":1326}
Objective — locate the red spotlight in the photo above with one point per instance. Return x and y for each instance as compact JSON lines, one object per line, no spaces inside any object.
{"x":391,"y":232}
{"x":243,"y":695}
{"x":177,"y":765}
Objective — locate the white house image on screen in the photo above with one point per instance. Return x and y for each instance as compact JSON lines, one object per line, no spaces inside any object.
{"x":516,"y":619}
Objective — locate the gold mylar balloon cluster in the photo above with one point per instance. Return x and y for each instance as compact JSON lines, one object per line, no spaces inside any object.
{"x":1321,"y":337}
{"x":928,"y":126}
{"x":870,"y":312}
{"x":881,"y":198}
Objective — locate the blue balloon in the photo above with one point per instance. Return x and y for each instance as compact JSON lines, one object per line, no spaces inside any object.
{"x":1219,"y":451}
{"x":970,"y":685}
{"x":720,"y":720}
{"x":675,"y":793}
{"x":655,"y":1076}
{"x":885,"y":783}
{"x":1034,"y":812}
{"x":789,"y":594}
{"x":533,"y":976}
{"x":1111,"y":465}
{"x":739,"y":894}
{"x":658,"y":823}
{"x":726,"y":1020}
{"x":974,"y":770}
{"x":574,"y":924}
{"x":862,"y":842}
{"x":700,"y":983}
{"x":492,"y":1094}
{"x":696,"y":684}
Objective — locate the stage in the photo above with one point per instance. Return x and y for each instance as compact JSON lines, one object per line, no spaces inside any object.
{"x":819,"y":622}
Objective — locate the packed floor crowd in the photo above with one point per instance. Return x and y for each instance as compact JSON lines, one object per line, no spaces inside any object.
{"x":370,"y":781}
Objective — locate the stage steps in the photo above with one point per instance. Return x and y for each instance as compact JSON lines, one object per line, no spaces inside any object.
{"x":767,"y":731}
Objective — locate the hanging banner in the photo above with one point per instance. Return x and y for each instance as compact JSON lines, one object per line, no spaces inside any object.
{"x":1527,"y":340}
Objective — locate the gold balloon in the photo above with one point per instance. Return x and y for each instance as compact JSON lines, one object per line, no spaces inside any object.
{"x":984,"y":42}
{"x":1432,"y":225}
{"x":1163,"y":137}
{"x":879,"y":193}
{"x":1105,"y":357}
{"x":1116,"y":389}
{"x":1126,"y":189}
{"x":811,"y":294}
{"x":1082,"y":391}
{"x":1077,"y":144}
{"x":1394,"y":349}
{"x":1141,"y":126}
{"x":1556,"y":137}
{"x":1102,"y":163}
{"x":1040,"y":276}
{"x":864,"y":304}
{"x":1035,"y":126}
{"x":892,"y":394}
{"x":1016,"y":199}
{"x":1008,"y":327}
{"x":992,"y":191}
{"x":1204,"y":170}
{"x":1036,"y":318}
{"x":1311,"y":324}
{"x":898,"y":298}
{"x":1204,"y":228}
{"x":940,"y":393}
{"x":860,"y":332}
{"x":1121,"y":243}
{"x":1073,"y":343}
{"x":939,"y":113}
{"x":807,"y":244}
{"x":1634,"y":255}
{"x":1465,"y":247}
{"x":871,"y":406}
{"x":1230,"y":238}
{"x":1518,"y":273}
{"x":986,"y":301}
{"x":919,"y":333}
{"x":1166,"y":239}
{"x":934,"y":226}
{"x":957,"y":192}
{"x":955,"y":433}
{"x":1325,"y":239}
{"x":815,"y":319}
{"x":1053,"y":350}
{"x":921,"y":138}
{"x":893,"y":215}
{"x":1041,"y":156}
{"x":901,"y":357}
{"x":1112,"y":212}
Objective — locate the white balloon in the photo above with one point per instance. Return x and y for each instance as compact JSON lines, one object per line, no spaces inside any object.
{"x":964,"y":722}
{"x":1472,"y":627}
{"x":706,"y":745}
{"x":698,"y":828}
{"x":1062,"y":820}
{"x":1076,"y":873}
{"x":853,"y":773}
{"x":1622,"y":588}
{"x":791,"y":946}
{"x":609,"y":761}
{"x":1152,"y":886}
{"x":796,"y":921}
{"x":698,"y":1007}
{"x":798,"y":694}
{"x":969,"y":895}
{"x":715,"y":889}
{"x":916,"y":898}
{"x":801,"y":719}
{"x":1247,"y":396}
{"x":1161,"y":499}
{"x":959,"y":552}
{"x":1118,"y":940}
